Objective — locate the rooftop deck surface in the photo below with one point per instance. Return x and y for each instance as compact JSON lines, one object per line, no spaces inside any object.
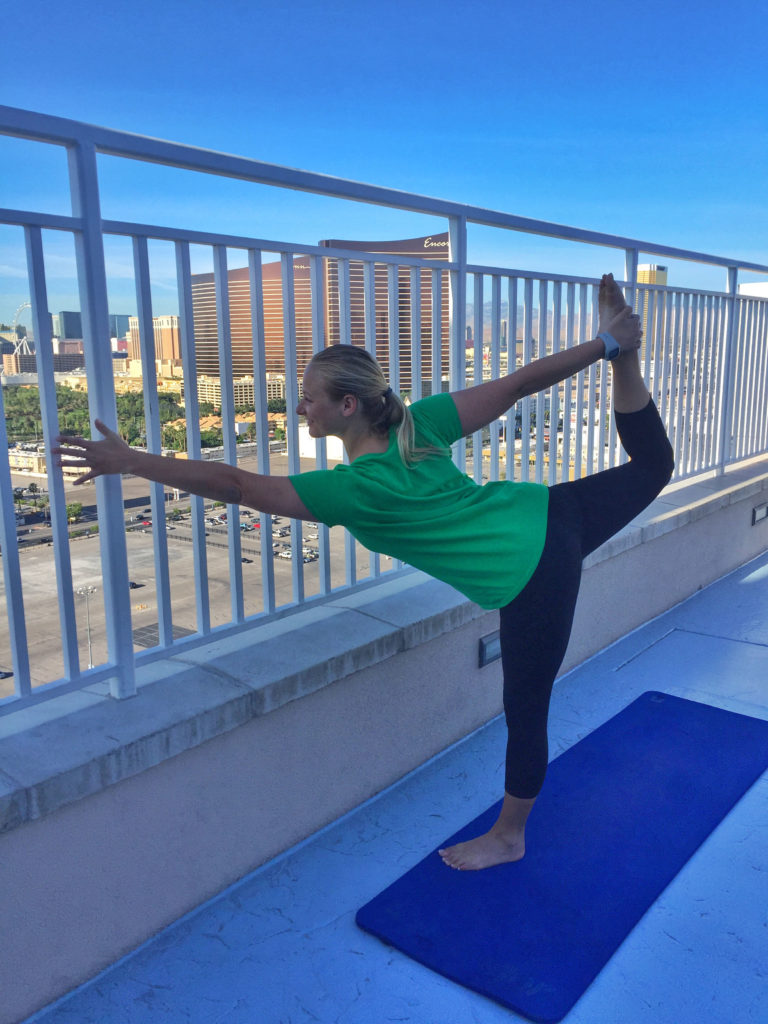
{"x":282,"y":947}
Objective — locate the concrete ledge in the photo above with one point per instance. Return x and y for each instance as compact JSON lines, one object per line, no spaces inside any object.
{"x":74,"y":746}
{"x":119,"y":817}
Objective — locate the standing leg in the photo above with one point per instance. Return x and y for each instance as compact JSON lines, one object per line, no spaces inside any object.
{"x":535,"y":629}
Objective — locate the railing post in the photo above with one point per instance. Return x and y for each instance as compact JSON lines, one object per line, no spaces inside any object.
{"x":192,"y":418}
{"x":457,"y":309}
{"x":41,"y":325}
{"x":729,"y":373}
{"x":92,"y":280}
{"x":630,"y":274}
{"x":14,"y":607}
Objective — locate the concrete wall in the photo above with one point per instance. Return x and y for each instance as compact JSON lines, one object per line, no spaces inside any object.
{"x":98,"y":858}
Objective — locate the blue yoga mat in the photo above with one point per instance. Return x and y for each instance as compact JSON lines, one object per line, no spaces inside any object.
{"x":620,"y":814}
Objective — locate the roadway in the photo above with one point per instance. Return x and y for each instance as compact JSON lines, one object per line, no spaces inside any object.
{"x":41,"y":598}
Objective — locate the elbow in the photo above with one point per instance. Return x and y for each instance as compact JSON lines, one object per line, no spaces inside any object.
{"x":232,"y":489}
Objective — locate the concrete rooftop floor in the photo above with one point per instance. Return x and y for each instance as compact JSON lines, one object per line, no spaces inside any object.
{"x":281,"y":946}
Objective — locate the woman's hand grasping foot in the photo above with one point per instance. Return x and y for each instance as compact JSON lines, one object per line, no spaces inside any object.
{"x":626,"y":328}
{"x":99,"y":458}
{"x":616,"y":317}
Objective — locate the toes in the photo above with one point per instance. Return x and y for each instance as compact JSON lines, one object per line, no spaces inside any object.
{"x":451,"y":858}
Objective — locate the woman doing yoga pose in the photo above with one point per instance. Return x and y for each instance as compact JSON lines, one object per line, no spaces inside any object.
{"x":517,"y":547}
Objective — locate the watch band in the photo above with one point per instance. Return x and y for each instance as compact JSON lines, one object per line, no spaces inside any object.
{"x":612,"y":347}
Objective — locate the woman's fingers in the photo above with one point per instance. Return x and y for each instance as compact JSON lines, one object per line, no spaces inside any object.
{"x":104,"y":429}
{"x":72,"y":442}
{"x":626,"y":328}
{"x":97,"y":457}
{"x":74,"y":452}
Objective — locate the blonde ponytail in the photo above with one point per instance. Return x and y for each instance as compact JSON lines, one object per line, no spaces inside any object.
{"x":351,"y":370}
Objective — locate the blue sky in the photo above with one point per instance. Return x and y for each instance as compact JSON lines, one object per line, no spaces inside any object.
{"x":645,"y":120}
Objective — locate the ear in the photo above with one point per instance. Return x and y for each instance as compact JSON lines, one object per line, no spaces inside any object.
{"x":349,"y":405}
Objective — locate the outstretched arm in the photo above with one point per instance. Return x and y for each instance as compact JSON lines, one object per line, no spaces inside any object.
{"x":481,"y":405}
{"x":216,"y":480}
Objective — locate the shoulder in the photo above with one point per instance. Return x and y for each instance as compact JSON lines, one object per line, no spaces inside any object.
{"x":324,"y":492}
{"x":433,"y":405}
{"x":438,"y":417}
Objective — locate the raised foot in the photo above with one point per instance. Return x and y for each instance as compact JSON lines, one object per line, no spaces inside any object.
{"x":610,"y":300}
{"x":484,"y":852}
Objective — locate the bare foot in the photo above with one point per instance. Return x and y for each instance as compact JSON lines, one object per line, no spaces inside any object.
{"x":505,"y":842}
{"x":485,"y":851}
{"x":610,"y":301}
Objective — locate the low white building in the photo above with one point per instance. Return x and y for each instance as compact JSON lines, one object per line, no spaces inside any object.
{"x":333,"y":446}
{"x":757,"y":289}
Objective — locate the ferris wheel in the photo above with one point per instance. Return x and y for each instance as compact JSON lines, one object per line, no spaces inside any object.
{"x":23,"y":348}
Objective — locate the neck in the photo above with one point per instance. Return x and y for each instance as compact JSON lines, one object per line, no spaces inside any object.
{"x":364,"y":443}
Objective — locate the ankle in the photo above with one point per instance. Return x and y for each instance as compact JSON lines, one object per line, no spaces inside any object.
{"x":510,"y":835}
{"x":513,"y":815}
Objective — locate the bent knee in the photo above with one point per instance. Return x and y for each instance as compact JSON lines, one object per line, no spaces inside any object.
{"x":659,"y":466}
{"x":666,"y":465}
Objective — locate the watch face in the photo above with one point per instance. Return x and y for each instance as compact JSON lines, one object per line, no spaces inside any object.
{"x":612,"y":347}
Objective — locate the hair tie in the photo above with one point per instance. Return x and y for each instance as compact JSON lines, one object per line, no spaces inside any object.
{"x":387,"y":393}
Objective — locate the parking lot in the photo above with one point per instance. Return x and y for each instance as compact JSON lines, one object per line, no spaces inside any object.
{"x":41,"y":605}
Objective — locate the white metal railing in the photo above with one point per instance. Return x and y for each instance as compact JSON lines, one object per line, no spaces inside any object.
{"x":704,"y":354}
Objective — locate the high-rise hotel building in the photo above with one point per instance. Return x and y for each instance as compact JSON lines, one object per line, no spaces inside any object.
{"x":651,"y":301}
{"x":167,"y":339}
{"x":434,"y":247}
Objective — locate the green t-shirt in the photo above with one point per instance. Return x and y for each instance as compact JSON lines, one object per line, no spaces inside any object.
{"x":485,"y":540}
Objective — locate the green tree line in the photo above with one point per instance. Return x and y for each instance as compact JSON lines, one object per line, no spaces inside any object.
{"x":24,"y":422}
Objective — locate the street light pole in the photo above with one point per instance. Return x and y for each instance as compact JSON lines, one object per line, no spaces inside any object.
{"x":86,"y":593}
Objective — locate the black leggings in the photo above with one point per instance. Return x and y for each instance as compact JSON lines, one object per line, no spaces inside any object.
{"x":536,"y":625}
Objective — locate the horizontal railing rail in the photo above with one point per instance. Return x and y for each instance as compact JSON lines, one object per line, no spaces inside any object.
{"x":65,"y":132}
{"x":433,"y":323}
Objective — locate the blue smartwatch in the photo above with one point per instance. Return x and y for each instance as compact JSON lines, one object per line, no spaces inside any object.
{"x":612,"y":347}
